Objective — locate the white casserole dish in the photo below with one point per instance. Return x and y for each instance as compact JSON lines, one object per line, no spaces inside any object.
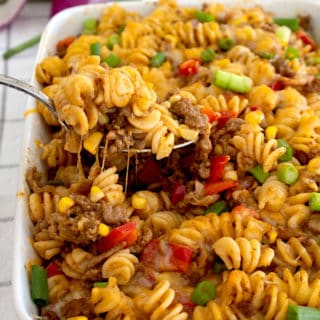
{"x":69,"y":22}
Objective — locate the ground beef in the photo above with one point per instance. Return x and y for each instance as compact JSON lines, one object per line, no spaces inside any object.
{"x":223,"y":136}
{"x":77,"y":306}
{"x":190,"y":113}
{"x":312,"y":86}
{"x":114,"y":215}
{"x":304,"y":21}
{"x":144,"y":238}
{"x":282,"y":67}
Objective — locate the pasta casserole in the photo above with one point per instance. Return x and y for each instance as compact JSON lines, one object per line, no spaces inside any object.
{"x":227,"y":227}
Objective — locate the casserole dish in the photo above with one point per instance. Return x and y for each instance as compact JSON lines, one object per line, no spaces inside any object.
{"x":66,"y":23}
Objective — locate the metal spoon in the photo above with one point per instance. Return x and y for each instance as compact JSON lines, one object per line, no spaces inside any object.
{"x":34,"y":92}
{"x":39,"y":95}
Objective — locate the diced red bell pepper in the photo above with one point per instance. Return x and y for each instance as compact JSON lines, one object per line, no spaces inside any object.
{"x":178,"y":193}
{"x":254,"y":108}
{"x":53,"y":269}
{"x":306,"y":39}
{"x":216,"y":187}
{"x":171,"y":257}
{"x":212,"y":115}
{"x":189,"y":67}
{"x":224,"y":117}
{"x":127,"y":233}
{"x":277,"y":85}
{"x":218,"y":164}
{"x":244,"y":211}
{"x":65,"y":43}
{"x":150,"y":172}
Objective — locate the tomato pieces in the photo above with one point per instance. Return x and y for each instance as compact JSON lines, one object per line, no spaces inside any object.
{"x":166,"y":256}
{"x":277,"y":85}
{"x":216,"y":187}
{"x":212,"y":115}
{"x":53,"y":269}
{"x":178,"y":193}
{"x":218,"y":164}
{"x":189,"y":67}
{"x":63,"y":44}
{"x":127,"y":233}
{"x":306,"y":39}
{"x":150,"y":172}
{"x":224,"y":117}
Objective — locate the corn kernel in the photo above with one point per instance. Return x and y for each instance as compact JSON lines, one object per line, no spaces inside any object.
{"x":273,"y":234}
{"x":271,"y":132}
{"x":64,"y":204}
{"x":254,"y":117}
{"x":96,"y":194}
{"x":314,"y":165}
{"x":78,"y":318}
{"x":103,"y":229}
{"x":92,"y":142}
{"x":138,"y":202}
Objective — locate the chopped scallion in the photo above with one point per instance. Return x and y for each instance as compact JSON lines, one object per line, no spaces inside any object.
{"x":233,"y":82}
{"x":202,"y":16}
{"x":203,"y":293}
{"x":291,"y":23}
{"x":158,"y":59}
{"x":283,"y":33}
{"x":314,"y":201}
{"x":292,"y":53}
{"x":259,"y":174}
{"x":226,"y":44}
{"x":288,"y":154}
{"x":21,"y":47}
{"x":218,"y":208}
{"x":207,"y":55}
{"x":218,"y":267}
{"x":102,"y":284}
{"x":302,"y":313}
{"x":112,"y":40}
{"x":267,"y":55}
{"x":95,"y":49}
{"x":90,"y":26}
{"x":112,"y":60}
{"x":39,"y":285}
{"x":287,"y":173}
{"x":120,"y":29}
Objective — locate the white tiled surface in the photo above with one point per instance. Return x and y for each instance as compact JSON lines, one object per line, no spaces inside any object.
{"x":29,"y":23}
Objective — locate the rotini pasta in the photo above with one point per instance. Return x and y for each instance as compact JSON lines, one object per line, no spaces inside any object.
{"x":130,"y":227}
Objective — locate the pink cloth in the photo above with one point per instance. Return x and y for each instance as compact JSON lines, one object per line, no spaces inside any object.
{"x":58,"y":5}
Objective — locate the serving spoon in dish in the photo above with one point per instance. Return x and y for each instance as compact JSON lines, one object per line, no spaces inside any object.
{"x":47,"y":101}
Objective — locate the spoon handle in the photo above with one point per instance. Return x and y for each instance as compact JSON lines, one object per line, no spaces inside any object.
{"x":33,"y":91}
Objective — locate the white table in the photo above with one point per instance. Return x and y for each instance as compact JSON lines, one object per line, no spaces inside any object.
{"x":30,"y":22}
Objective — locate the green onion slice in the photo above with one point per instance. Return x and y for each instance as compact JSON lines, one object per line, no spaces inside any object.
{"x":112,"y":40}
{"x":202,"y":16}
{"x":95,"y":49}
{"x":314,"y":201}
{"x":302,"y":313}
{"x":158,"y":59}
{"x":226,"y":44}
{"x":289,"y":151}
{"x":102,"y":284}
{"x":267,"y":55}
{"x":218,"y":208}
{"x":291,"y":23}
{"x":90,"y":26}
{"x":283,"y":33}
{"x":259,"y":174}
{"x":287,"y":173}
{"x":207,"y":55}
{"x":292,"y":53}
{"x":229,"y":81}
{"x":203,"y":293}
{"x":21,"y":47}
{"x":112,"y":60}
{"x":39,"y":285}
